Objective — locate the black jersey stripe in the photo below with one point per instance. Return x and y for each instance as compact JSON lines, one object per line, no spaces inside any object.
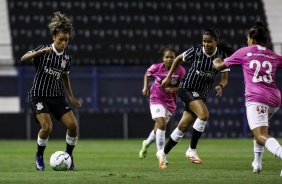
{"x":49,"y":68}
{"x":200,"y":74}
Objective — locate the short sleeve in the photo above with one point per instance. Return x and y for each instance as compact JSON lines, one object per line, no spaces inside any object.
{"x":188,"y":54}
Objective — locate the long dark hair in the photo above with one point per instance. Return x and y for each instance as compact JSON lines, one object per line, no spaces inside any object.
{"x":221,"y":44}
{"x":259,"y":33}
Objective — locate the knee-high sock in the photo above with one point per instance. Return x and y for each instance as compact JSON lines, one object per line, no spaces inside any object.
{"x":160,"y":139}
{"x":198,"y":129}
{"x":151,"y":138}
{"x":71,"y":142}
{"x":41,"y":145}
{"x":175,"y":137}
{"x":258,"y":152}
{"x":274,"y":147}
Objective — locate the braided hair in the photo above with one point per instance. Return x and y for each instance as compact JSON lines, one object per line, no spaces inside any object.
{"x":60,"y":23}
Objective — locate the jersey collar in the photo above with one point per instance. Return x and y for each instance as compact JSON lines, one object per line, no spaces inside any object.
{"x":54,"y":49}
{"x":207,"y":54}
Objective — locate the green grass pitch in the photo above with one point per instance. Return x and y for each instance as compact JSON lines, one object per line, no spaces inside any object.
{"x":225,"y":161}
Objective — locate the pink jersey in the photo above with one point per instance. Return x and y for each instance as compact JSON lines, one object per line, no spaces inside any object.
{"x":158,"y":94}
{"x":259,"y":65}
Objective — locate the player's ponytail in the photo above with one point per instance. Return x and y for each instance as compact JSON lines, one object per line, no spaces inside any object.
{"x":259,"y":33}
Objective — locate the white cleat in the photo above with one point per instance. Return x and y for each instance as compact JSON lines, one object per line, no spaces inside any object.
{"x":257,"y":168}
{"x":162,"y":159}
{"x":192,"y":155}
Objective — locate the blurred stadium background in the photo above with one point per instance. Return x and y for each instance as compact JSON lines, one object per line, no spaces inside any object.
{"x":114,"y":43}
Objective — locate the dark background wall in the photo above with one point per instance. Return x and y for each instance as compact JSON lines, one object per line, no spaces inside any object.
{"x":110,"y":32}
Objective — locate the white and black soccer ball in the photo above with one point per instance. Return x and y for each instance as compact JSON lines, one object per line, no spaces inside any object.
{"x":60,"y":161}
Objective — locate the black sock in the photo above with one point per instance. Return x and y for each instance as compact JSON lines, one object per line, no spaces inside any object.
{"x":69,"y":149}
{"x":40,"y":150}
{"x":196,"y":135}
{"x":169,"y":145}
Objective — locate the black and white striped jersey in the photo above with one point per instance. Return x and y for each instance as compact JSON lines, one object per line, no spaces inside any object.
{"x":200,"y":76}
{"x":49,"y":69}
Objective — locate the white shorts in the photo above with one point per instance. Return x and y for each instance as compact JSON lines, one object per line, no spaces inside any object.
{"x":158,"y":110}
{"x":258,"y":114}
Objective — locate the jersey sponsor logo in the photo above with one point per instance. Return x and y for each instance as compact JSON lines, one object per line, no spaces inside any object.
{"x":205,"y":73}
{"x":39,"y":106}
{"x":259,"y":54}
{"x":53,"y":71}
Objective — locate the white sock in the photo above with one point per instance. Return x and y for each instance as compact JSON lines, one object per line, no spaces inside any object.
{"x":71,"y":140}
{"x":151,"y":138}
{"x":274,"y":147}
{"x":258,"y":152}
{"x":160,"y":139}
{"x":199,"y":125}
{"x":177,"y":135}
{"x":42,"y":142}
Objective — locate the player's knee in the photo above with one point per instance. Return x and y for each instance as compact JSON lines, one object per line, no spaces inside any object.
{"x":183,"y":127}
{"x":72,"y":127}
{"x":203,"y":116}
{"x":259,"y":139}
{"x":46,"y":129}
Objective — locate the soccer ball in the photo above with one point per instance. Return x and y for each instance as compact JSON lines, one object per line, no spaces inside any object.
{"x":60,"y":161}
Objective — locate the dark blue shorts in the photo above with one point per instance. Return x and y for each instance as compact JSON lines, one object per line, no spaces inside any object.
{"x":57,"y":106}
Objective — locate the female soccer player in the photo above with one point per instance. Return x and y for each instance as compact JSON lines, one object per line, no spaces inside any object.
{"x":193,"y":91}
{"x":162,"y":100}
{"x":47,"y":96}
{"x":262,"y":96}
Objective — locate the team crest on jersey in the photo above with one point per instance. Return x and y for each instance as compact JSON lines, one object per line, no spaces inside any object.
{"x":261,"y":113}
{"x":158,"y":79}
{"x":63,"y":64}
{"x":67,"y":56}
{"x":199,"y":53}
{"x":39,"y":106}
{"x":173,"y":80}
{"x":195,"y":94}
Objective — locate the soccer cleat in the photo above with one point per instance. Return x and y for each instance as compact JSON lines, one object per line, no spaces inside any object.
{"x":162,"y":159}
{"x":256,"y":167}
{"x":192,"y":155}
{"x":72,"y":168}
{"x":143,"y":151}
{"x":39,"y":163}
